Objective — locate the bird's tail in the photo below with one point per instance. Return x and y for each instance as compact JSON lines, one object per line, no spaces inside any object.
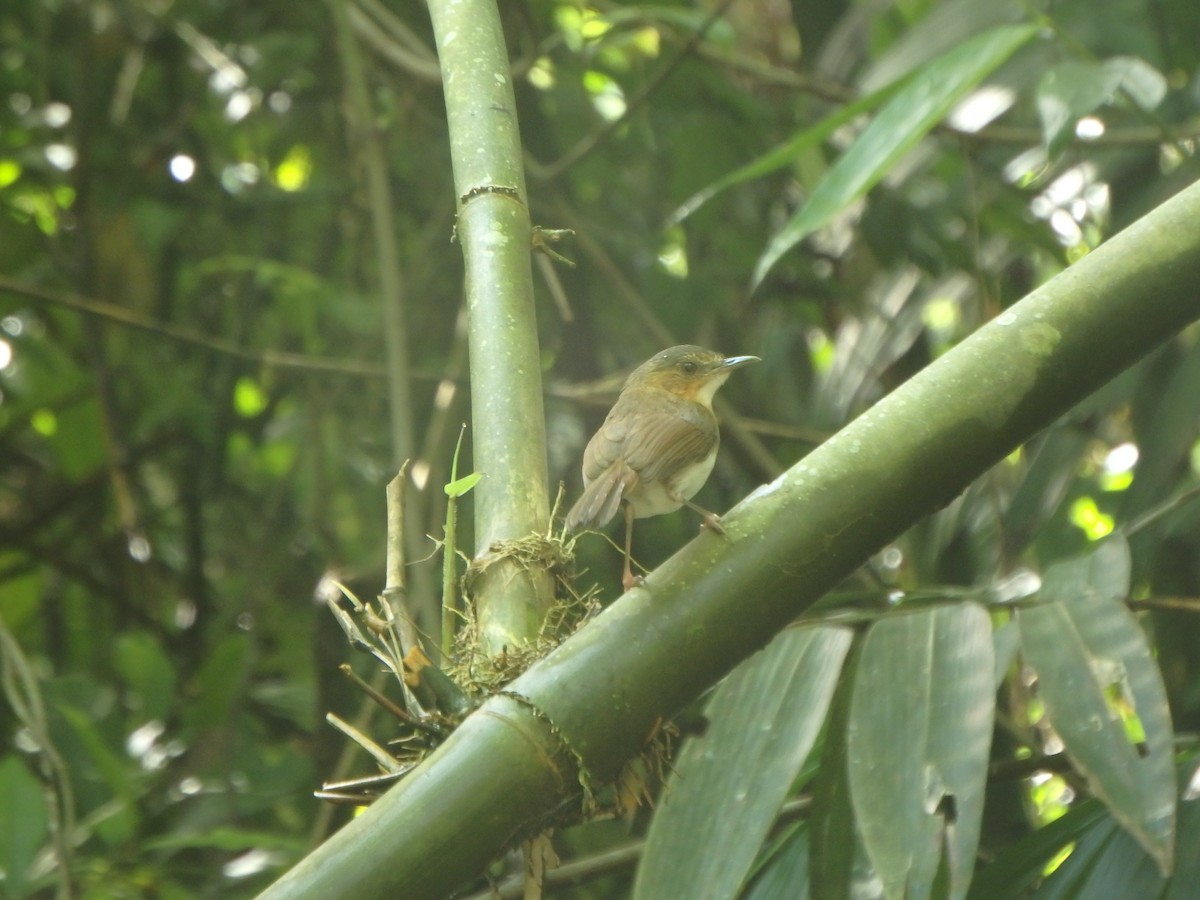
{"x":602,"y":497}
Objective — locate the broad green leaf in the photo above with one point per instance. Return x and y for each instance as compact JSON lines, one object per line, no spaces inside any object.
{"x":908,"y":117}
{"x":729,"y":784}
{"x":23,"y":825}
{"x":460,"y":486}
{"x":1103,"y":692}
{"x":837,"y":853}
{"x":917,"y":745}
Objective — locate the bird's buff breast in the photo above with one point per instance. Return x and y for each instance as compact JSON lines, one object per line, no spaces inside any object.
{"x":657,"y":498}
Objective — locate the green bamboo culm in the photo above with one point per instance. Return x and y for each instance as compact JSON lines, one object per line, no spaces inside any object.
{"x":508,"y":424}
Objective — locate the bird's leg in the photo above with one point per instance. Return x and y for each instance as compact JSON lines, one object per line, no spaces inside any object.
{"x":711,"y":520}
{"x":628,"y":580}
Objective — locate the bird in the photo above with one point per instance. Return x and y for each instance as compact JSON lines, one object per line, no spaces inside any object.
{"x":657,"y":445}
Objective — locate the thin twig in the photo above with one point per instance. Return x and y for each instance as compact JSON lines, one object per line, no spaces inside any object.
{"x":121,"y":315}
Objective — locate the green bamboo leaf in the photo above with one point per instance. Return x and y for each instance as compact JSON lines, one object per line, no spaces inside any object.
{"x":1021,"y":865}
{"x":460,"y":486}
{"x":838,"y":861}
{"x":1103,"y":692}
{"x":908,"y":117}
{"x":918,"y":737}
{"x":784,"y":154}
{"x":1107,"y":861}
{"x":785,"y":875}
{"x":1076,"y":88}
{"x":1093,"y":848}
{"x":729,"y":785}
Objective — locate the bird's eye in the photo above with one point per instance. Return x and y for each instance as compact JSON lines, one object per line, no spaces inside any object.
{"x":688,"y":367}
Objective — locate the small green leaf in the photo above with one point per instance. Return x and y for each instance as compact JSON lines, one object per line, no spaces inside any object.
{"x":249,"y":399}
{"x":460,"y":486}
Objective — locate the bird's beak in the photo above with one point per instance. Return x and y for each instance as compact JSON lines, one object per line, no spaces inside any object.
{"x":736,"y":362}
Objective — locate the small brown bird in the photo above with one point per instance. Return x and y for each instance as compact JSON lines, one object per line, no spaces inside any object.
{"x":658,"y":445}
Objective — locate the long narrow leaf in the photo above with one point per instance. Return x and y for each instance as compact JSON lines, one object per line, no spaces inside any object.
{"x":1103,"y":692}
{"x":919,"y":732}
{"x":778,"y":157}
{"x":908,"y":117}
{"x":730,"y":784}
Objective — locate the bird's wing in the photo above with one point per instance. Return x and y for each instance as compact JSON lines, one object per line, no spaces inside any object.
{"x":651,"y":442}
{"x":660,"y":444}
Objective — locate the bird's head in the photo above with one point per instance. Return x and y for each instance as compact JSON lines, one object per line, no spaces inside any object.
{"x":687,"y":371}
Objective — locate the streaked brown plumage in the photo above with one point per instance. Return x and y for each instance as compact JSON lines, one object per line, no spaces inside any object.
{"x":658,"y":445}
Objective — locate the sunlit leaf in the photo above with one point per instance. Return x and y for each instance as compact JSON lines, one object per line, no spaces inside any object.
{"x":249,"y":398}
{"x":10,"y":171}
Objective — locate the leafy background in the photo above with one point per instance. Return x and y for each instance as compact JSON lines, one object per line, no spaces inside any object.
{"x":196,"y":426}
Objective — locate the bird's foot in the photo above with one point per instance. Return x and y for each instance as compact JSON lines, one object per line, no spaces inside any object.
{"x":629,"y":581}
{"x":709,"y":520}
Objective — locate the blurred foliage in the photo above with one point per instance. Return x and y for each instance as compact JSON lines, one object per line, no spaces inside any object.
{"x":193,"y":436}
